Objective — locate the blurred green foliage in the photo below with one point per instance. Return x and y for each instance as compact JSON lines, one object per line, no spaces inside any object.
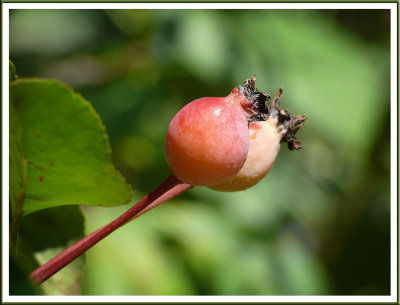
{"x":319,"y":223}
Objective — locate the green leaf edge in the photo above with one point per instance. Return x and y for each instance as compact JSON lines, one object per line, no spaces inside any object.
{"x":16,"y":208}
{"x":12,"y":71}
{"x":102,"y":127}
{"x":106,"y":138}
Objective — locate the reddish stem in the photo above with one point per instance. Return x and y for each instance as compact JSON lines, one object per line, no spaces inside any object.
{"x":170,"y":188}
{"x":175,"y":191}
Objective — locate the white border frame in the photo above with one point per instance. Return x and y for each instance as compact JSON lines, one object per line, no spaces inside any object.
{"x":177,"y":299}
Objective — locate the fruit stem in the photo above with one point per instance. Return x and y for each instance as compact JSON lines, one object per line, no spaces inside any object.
{"x":171,"y":187}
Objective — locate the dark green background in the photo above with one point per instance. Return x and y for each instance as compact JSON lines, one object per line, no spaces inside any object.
{"x":319,"y":223}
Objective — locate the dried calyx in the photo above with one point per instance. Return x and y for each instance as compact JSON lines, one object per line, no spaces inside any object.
{"x":262,"y":110}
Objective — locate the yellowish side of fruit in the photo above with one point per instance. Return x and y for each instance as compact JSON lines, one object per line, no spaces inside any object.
{"x":265,"y":138}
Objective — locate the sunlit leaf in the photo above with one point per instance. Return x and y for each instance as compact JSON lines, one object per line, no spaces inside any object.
{"x":66,"y":148}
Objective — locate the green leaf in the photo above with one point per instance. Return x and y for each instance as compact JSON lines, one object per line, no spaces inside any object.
{"x":12,"y":71}
{"x":66,"y":147}
{"x":16,"y":160}
{"x":58,"y":225}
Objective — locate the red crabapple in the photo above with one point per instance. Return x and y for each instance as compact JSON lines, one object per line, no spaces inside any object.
{"x":208,"y":139}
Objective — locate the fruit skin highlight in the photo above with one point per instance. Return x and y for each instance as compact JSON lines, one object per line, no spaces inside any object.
{"x":265,"y":138}
{"x":208,"y":139}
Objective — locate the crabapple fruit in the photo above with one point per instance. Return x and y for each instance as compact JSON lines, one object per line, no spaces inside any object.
{"x":208,"y":139}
